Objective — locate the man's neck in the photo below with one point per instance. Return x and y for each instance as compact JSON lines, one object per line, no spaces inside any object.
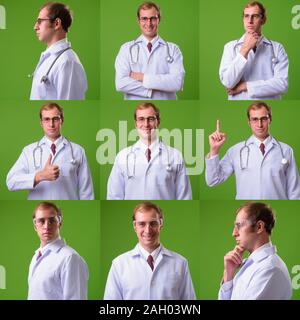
{"x":55,"y":39}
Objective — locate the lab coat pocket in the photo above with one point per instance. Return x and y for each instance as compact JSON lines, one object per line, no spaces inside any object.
{"x":67,"y":169}
{"x":171,"y":285}
{"x":163,"y":177}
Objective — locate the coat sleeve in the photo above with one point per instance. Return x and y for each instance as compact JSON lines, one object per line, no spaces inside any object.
{"x":116,"y":182}
{"x":85,"y":182}
{"x":113,"y":288}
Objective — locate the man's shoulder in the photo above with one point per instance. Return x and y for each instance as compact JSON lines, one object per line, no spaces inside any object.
{"x":173,"y":255}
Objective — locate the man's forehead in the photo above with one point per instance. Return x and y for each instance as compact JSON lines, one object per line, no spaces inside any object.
{"x":142,"y":112}
{"x":253,"y":9}
{"x":45,"y":212}
{"x":51,"y":112}
{"x":43,"y":13}
{"x":241,"y":215}
{"x":262,"y":111}
{"x":150,"y":214}
{"x":148,"y":12}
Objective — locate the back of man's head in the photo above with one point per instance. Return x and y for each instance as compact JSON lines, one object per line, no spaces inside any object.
{"x":60,"y":11}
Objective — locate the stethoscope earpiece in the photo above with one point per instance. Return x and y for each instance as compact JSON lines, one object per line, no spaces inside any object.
{"x":283,"y":161}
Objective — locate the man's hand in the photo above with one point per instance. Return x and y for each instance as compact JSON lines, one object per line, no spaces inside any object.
{"x":137,"y":76}
{"x":49,"y":173}
{"x":251,"y":40}
{"x":240,"y":87}
{"x":232,"y":260}
{"x":216,"y":140}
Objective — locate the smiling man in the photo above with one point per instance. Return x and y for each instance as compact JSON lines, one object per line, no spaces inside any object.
{"x":254,"y":67}
{"x":149,"y":169}
{"x":56,"y":272}
{"x":263,"y":276}
{"x":264,"y":167}
{"x":59,"y":74}
{"x":149,"y":67}
{"x":149,"y":271}
{"x":53,"y":168}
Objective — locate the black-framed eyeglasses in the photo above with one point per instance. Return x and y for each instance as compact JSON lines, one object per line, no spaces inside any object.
{"x":262,"y":119}
{"x":40,"y":20}
{"x":153,"y":19}
{"x":41,"y":221}
{"x":142,"y":119}
{"x":254,"y":16}
{"x":54,"y":119}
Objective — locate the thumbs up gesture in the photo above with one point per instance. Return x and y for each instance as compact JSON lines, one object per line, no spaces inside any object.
{"x":49,"y":173}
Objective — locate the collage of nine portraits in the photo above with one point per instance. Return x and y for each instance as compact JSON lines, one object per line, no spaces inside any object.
{"x":155,"y":105}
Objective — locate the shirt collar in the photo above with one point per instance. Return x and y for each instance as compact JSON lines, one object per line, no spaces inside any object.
{"x":258,"y":142}
{"x":57,"y":142}
{"x":145,"y":253}
{"x":143,"y":147}
{"x":137,"y":252}
{"x":54,"y":245}
{"x":57,"y":47}
{"x":263,"y":252}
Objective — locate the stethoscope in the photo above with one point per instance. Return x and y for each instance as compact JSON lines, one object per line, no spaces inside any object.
{"x":39,"y":149}
{"x":274,"y":59}
{"x":246,"y":149}
{"x":169,"y":58}
{"x":132,"y":154}
{"x":45,"y":78}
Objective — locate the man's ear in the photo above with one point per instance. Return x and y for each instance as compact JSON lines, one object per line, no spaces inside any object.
{"x":260,"y":226}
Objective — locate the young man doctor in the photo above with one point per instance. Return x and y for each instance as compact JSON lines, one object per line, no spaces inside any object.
{"x":264,"y":167}
{"x":56,"y":272}
{"x":59,"y":74}
{"x":254,"y":67}
{"x":149,"y":169}
{"x":53,"y":168}
{"x":149,"y":67}
{"x":263,"y":276}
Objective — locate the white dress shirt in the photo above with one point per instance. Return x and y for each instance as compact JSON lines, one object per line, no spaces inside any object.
{"x":265,"y":71}
{"x":162,"y":78}
{"x":66,"y":79}
{"x":59,"y":274}
{"x":263,"y":276}
{"x":74,"y":181}
{"x":257,"y":176}
{"x":131,"y":278}
{"x":164,"y":177}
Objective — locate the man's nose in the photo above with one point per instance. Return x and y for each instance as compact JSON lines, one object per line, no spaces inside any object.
{"x":235,"y":232}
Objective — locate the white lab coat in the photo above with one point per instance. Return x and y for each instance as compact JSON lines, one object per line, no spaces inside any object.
{"x":67,"y":78}
{"x":161,"y":79}
{"x":132,"y":177}
{"x":263,"y":276}
{"x":131,"y":278}
{"x":265,"y":79}
{"x":264,"y":178}
{"x":74,"y":181}
{"x":59,"y":274}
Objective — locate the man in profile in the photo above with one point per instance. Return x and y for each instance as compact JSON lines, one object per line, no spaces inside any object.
{"x":263,"y":276}
{"x":59,"y":75}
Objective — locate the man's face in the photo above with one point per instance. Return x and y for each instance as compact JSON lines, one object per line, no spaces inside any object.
{"x":46,"y":224}
{"x":252,"y":19}
{"x":44,"y":28}
{"x":259,"y":123}
{"x":147,"y":226}
{"x":146,"y":123}
{"x":243,"y":231}
{"x":148,"y":23}
{"x":51,"y":123}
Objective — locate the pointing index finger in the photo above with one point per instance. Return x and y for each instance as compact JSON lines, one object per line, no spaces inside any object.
{"x":218,"y":125}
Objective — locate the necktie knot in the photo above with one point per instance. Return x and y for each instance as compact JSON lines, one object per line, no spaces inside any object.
{"x":53,"y":148}
{"x":262,"y":148}
{"x":148,"y":154}
{"x":150,"y":262}
{"x":149,"y":46}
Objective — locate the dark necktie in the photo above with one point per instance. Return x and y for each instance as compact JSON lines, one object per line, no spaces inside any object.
{"x":148,"y":154}
{"x":39,"y":255}
{"x":149,"y":46}
{"x":53,"y":148}
{"x":150,"y":262}
{"x":262,"y":148}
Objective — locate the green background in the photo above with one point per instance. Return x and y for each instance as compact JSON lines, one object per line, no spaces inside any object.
{"x":179,"y":24}
{"x":18,"y":240}
{"x":21,"y":50}
{"x":20,"y":126}
{"x":221,"y":22}
{"x":233,"y":118}
{"x":172,"y":116}
{"x":181,"y":229}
